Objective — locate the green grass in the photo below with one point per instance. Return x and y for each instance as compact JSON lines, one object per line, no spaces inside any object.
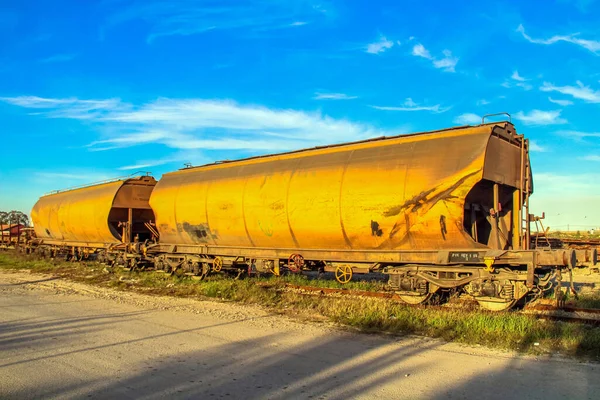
{"x":330,"y":283}
{"x":506,"y":330}
{"x":585,"y":300}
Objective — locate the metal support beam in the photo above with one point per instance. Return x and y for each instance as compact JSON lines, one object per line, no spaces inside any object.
{"x":495,"y":227}
{"x":129,"y":225}
{"x":516,"y":214}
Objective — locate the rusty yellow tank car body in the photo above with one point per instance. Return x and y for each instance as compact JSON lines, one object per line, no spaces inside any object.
{"x":90,"y":216}
{"x":405,"y":192}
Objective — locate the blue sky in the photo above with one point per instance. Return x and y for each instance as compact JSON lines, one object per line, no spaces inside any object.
{"x":94,"y":90}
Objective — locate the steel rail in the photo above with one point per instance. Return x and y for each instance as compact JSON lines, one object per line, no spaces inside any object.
{"x":565,"y":313}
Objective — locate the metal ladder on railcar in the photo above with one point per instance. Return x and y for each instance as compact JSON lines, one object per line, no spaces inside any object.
{"x":524,"y":229}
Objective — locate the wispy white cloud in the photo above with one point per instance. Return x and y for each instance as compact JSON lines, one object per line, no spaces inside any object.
{"x":193,"y":157}
{"x":38,"y":102}
{"x":580,"y":91}
{"x":201,"y":124}
{"x":141,"y":165}
{"x":333,"y":96}
{"x":515,"y":76}
{"x":184,"y":18}
{"x":69,"y":107}
{"x":468,"y":119}
{"x":62,"y":179}
{"x":482,"y":102}
{"x":58,"y":58}
{"x":534,"y":146}
{"x":129,"y":139}
{"x":517,"y":80}
{"x":446,"y":63}
{"x":85,"y":176}
{"x":538,"y":117}
{"x":552,"y":183}
{"x":563,"y":103}
{"x":420,"y":51}
{"x":591,"y":45}
{"x":591,"y":157}
{"x":525,"y":86}
{"x":577,"y":135}
{"x":380,"y":46}
{"x":410,"y":105}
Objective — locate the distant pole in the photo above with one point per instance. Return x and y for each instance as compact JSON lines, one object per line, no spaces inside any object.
{"x":18,"y":232}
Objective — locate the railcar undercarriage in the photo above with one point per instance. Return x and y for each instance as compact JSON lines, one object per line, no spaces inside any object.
{"x":497,"y":280}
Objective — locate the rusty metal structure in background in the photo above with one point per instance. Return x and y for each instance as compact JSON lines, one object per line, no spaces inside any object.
{"x":436,"y":211}
{"x":14,"y":235}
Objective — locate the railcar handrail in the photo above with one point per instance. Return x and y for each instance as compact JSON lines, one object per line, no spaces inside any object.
{"x":110,"y":180}
{"x":494,"y":115}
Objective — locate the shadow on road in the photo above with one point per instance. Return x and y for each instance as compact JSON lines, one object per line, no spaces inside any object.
{"x":29,"y":282}
{"x":258,"y":369}
{"x":151,"y":357}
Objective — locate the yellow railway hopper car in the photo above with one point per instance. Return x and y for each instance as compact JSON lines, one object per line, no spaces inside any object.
{"x":437,"y":210}
{"x":94,"y":219}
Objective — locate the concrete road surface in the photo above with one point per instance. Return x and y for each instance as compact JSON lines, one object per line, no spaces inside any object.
{"x":66,"y":340}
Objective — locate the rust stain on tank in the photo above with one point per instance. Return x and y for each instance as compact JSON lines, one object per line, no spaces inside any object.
{"x":421,"y":200}
{"x":199,"y":232}
{"x":277,"y":206}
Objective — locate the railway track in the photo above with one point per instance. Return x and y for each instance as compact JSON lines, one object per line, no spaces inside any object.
{"x":589,"y":316}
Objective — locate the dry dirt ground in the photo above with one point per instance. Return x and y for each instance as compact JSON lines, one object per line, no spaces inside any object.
{"x":60,"y":339}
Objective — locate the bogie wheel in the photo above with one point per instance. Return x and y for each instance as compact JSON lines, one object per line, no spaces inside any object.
{"x":295,"y":263}
{"x":415,"y":299}
{"x":494,"y":305}
{"x":343,"y":273}
{"x":217,"y":264}
{"x":133,"y":264}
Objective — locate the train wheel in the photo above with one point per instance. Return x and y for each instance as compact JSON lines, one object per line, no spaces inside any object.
{"x":495,"y":304}
{"x":295,"y":263}
{"x":159,"y":264}
{"x":217,"y":264}
{"x":343,"y":273}
{"x":204,"y":270}
{"x":415,"y":299}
